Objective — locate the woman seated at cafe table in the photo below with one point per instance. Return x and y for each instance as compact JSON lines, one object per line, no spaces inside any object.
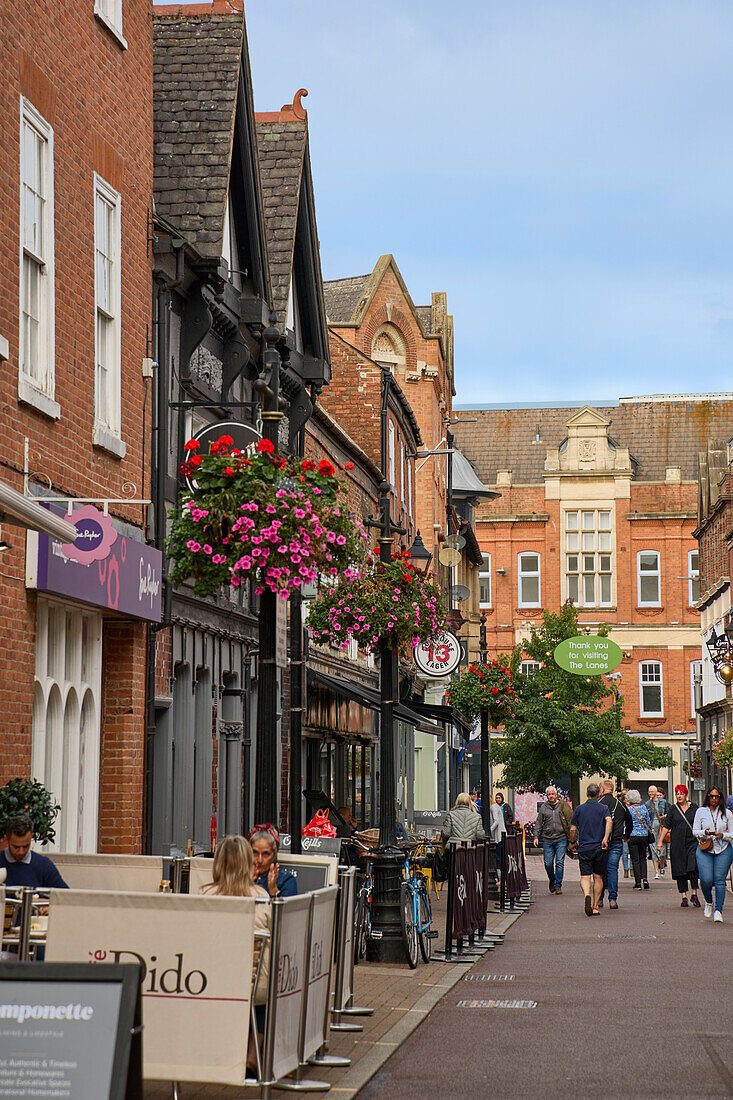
{"x":265,"y":841}
{"x":233,"y":876}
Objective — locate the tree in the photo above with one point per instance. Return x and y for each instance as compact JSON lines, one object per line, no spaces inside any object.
{"x":563,"y":722}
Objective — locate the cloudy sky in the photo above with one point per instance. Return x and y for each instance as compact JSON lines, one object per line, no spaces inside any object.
{"x":562,"y":168}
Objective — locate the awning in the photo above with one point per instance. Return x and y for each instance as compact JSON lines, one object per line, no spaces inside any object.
{"x":26,"y":512}
{"x":368,"y":697}
{"x":441,"y":712}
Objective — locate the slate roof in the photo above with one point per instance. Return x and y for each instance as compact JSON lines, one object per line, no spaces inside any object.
{"x":282,"y":151}
{"x":342,"y":296}
{"x":658,"y":434}
{"x":196,"y":66}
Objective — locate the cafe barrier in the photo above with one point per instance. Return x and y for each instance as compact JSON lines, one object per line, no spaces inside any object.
{"x":130,"y":874}
{"x":343,"y":997}
{"x":312,"y":872}
{"x":196,"y":989}
{"x":514,"y":882}
{"x":470,"y":875}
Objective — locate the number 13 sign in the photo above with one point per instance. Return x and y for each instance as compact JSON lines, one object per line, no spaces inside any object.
{"x":439,"y":657}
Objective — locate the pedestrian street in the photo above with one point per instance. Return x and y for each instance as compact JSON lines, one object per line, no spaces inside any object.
{"x":631,"y":1003}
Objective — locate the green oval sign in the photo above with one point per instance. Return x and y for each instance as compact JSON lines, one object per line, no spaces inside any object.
{"x":588,"y":655}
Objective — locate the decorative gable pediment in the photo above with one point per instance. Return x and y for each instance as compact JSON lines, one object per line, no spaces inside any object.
{"x":587,"y":449}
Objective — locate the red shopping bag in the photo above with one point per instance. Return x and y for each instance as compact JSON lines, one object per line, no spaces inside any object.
{"x":319,"y":825}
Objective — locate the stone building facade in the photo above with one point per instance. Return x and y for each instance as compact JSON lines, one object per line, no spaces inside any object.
{"x":76,"y":183}
{"x":599,"y":505}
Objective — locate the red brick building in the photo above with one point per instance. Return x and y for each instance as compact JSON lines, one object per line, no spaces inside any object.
{"x":76,"y":183}
{"x":599,"y":506}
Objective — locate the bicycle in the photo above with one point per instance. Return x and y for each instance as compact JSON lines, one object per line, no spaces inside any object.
{"x":363,"y":914}
{"x":416,"y":914}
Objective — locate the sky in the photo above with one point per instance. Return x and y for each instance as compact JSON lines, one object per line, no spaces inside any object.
{"x":562,"y":168}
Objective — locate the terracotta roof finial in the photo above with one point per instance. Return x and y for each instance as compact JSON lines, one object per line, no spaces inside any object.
{"x":295,"y":111}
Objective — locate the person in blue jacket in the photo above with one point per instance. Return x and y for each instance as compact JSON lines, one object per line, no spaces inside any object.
{"x":22,"y":866}
{"x":265,"y":841}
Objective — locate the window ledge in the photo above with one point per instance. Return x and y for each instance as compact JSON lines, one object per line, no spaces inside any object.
{"x":113,"y":30}
{"x":29,"y":394}
{"x":106,"y":440}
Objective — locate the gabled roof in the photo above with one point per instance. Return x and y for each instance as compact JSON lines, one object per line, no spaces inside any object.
{"x":290,"y":217}
{"x":658,"y":434}
{"x":340,"y":297}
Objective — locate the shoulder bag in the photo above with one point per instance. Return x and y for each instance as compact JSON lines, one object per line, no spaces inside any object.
{"x":649,"y":833}
{"x":706,"y":843}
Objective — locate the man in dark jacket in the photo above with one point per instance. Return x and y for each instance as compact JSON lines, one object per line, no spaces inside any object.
{"x":22,"y":866}
{"x":552,"y":828}
{"x":622,"y":825}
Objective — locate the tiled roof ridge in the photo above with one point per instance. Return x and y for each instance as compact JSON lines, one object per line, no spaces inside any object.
{"x":289,"y":112}
{"x":346,"y":279}
{"x":188,"y":11}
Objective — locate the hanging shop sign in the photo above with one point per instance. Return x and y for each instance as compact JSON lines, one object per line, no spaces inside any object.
{"x":103,"y":566}
{"x":588,"y":655}
{"x":241,"y":434}
{"x":439,"y":657}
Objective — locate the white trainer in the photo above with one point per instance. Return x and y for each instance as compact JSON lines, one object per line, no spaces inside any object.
{"x":656,"y":874}
{"x":718,"y":917}
{"x":708,"y":910}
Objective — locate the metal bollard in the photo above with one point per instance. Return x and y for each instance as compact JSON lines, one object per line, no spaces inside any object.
{"x":24,"y":931}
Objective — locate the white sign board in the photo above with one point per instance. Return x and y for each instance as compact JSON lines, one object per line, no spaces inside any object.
{"x":439,"y":657}
{"x":195,"y":954}
{"x":290,"y":983}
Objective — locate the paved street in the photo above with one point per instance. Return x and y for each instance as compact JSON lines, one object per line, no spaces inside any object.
{"x":629,"y":1004}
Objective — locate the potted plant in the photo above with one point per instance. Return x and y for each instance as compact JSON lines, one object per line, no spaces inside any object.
{"x":255,"y":514}
{"x":382,"y":602}
{"x":693,"y":768}
{"x":28,"y":796}
{"x":487,"y":687}
{"x":723,"y":750}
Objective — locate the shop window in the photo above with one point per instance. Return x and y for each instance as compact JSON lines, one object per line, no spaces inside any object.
{"x":693,"y":576}
{"x":588,"y":558}
{"x":108,"y":317}
{"x":528,"y":668}
{"x":695,"y":670}
{"x":66,"y":709}
{"x":484,"y":581}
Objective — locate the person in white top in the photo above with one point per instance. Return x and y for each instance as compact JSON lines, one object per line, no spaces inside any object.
{"x":713,"y":823}
{"x":498,"y":829}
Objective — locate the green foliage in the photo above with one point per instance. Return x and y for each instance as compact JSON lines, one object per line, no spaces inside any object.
{"x":485,"y":687}
{"x":28,"y":796}
{"x":564,"y":723}
{"x":723,"y":750}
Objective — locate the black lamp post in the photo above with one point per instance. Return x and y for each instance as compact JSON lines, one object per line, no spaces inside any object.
{"x":266,"y":785}
{"x":485,"y":742}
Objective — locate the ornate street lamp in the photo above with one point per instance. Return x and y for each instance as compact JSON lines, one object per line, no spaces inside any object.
{"x":420,"y":556}
{"x":720,"y":648}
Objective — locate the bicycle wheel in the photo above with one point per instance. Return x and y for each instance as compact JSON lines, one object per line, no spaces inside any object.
{"x":359,"y":928}
{"x":426,"y":942}
{"x":409,"y":931}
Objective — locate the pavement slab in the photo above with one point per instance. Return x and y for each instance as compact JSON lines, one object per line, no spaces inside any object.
{"x":628,"y":1004}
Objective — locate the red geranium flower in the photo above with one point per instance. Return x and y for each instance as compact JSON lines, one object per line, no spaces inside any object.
{"x":225,"y":441}
{"x":280,"y":462}
{"x":307,"y":464}
{"x":494,"y":691}
{"x":192,"y":445}
{"x":195,"y":460}
{"x":228,"y":471}
{"x":266,"y":446}
{"x":349,"y":466}
{"x":326,"y":468}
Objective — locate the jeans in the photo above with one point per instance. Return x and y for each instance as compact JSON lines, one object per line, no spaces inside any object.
{"x":625,"y":857}
{"x":610,"y":879}
{"x":554,"y":854}
{"x":713,"y":871}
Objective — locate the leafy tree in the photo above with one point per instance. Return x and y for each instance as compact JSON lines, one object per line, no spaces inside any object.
{"x":28,"y":796}
{"x":563,"y":722}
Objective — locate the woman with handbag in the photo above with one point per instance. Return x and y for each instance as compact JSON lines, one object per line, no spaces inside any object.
{"x":639,"y":838}
{"x":677,"y":829}
{"x":713,"y":827}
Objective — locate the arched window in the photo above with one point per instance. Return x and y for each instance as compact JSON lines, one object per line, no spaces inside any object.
{"x":388,"y":348}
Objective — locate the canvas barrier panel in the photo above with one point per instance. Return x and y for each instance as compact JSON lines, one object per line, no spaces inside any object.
{"x":323,"y":922}
{"x":291,"y":943}
{"x":515,"y":874}
{"x":347,"y":881}
{"x":128,"y":874}
{"x":195,"y":955}
{"x":312,"y":872}
{"x":462,"y":902}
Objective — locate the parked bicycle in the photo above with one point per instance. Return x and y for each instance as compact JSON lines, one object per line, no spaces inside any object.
{"x":363,"y":914}
{"x":416,"y":913}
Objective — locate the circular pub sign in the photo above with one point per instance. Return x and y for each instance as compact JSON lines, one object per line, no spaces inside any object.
{"x":588,"y":655}
{"x":439,"y":657}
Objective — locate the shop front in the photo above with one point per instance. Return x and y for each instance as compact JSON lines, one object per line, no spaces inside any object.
{"x":94,"y":597}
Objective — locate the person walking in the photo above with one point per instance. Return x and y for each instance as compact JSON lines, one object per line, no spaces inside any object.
{"x":639,"y":838}
{"x":677,"y":828}
{"x":463,"y":823}
{"x":498,"y":830}
{"x":506,"y":809}
{"x":656,"y":806}
{"x":590,"y":829}
{"x":552,"y":829}
{"x":625,"y":857}
{"x":622,"y":824}
{"x":713,"y":827}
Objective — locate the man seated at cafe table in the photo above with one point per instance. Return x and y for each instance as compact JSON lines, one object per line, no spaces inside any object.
{"x":22,"y":866}
{"x":265,"y":841}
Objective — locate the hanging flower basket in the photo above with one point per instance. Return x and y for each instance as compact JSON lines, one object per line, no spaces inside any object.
{"x":723,"y":750}
{"x":693,"y":768}
{"x":255,"y":514}
{"x":489,"y":687}
{"x":384,"y":602}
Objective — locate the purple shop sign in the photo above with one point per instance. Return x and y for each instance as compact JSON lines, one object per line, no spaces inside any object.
{"x":127,"y":579}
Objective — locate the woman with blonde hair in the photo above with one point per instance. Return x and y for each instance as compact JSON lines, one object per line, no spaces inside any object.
{"x":463,"y":823}
{"x":233,"y":876}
